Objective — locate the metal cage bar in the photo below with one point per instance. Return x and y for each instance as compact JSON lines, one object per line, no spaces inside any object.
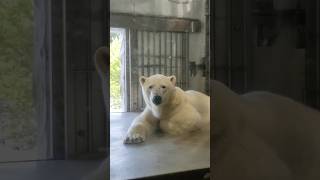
{"x":183,"y":59}
{"x":160,"y":52}
{"x":176,"y":58}
{"x":169,"y":58}
{"x":317,"y":56}
{"x":165,"y":52}
{"x":187,"y":60}
{"x":148,"y":52}
{"x":154,"y":52}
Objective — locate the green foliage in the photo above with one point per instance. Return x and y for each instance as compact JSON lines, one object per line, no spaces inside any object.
{"x":115,"y":67}
{"x":17,"y":123}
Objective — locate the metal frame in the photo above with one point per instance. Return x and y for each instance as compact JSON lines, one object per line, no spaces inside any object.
{"x":64,"y":78}
{"x":317,"y":55}
{"x":125,"y":87}
{"x":142,"y":32}
{"x":86,"y":128}
{"x":154,"y":23}
{"x":312,"y":71}
{"x":171,"y":59}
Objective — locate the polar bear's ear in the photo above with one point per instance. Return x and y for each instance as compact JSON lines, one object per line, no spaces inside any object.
{"x":173,"y":80}
{"x":142,"y":80}
{"x":101,"y":59}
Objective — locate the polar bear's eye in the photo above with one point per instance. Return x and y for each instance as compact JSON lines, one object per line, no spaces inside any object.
{"x":163,"y":87}
{"x":150,"y":87}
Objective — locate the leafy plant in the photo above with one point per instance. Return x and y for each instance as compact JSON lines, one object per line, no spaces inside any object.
{"x":115,"y":69}
{"x":17,"y":123}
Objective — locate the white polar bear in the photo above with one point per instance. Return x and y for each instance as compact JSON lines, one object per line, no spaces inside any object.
{"x":175,"y":111}
{"x":261,"y":135}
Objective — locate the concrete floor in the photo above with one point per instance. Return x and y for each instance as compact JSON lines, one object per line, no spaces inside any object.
{"x":8,"y":154}
{"x":48,"y":170}
{"x":160,"y":154}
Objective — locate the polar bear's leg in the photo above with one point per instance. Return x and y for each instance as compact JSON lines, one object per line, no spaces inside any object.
{"x":142,"y":126}
{"x":136,"y":134}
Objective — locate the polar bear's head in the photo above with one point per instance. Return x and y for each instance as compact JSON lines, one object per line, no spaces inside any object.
{"x":157,"y":89}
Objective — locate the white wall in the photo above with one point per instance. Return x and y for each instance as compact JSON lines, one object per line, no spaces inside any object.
{"x":159,"y":7}
{"x":194,"y":9}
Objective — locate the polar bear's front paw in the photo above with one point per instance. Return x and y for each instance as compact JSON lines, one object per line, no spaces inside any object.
{"x":135,"y":135}
{"x":134,"y":139}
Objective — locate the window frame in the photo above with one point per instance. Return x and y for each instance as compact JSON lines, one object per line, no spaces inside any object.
{"x":56,"y":48}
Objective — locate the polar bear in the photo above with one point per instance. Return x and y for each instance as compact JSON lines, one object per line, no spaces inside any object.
{"x":262,"y":135}
{"x":175,"y":111}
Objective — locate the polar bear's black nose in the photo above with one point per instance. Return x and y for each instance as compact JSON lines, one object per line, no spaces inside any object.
{"x":156,"y":100}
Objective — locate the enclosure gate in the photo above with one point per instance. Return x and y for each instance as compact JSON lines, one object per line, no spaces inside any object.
{"x":156,"y":45}
{"x":156,"y":52}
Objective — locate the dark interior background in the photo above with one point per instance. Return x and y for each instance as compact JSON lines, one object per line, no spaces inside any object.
{"x":269,"y":45}
{"x":67,"y":87}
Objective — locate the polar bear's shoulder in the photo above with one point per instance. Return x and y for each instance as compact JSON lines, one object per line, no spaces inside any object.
{"x":191,"y":94}
{"x":200,"y":101}
{"x":195,"y":93}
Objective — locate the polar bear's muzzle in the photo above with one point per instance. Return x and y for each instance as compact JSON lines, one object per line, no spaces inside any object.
{"x":157,"y":100}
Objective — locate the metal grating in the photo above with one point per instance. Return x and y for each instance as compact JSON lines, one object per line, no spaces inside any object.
{"x":156,"y":53}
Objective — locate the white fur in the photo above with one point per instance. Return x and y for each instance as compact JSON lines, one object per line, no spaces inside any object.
{"x":260,"y":135}
{"x":179,"y":113}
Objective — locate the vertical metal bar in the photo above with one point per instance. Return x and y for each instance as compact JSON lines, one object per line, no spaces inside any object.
{"x":136,"y":62}
{"x":131,"y":108}
{"x":229,"y":43}
{"x":165,"y":53}
{"x":88,"y":122}
{"x":160,"y":64}
{"x":134,"y":69}
{"x":207,"y":45}
{"x":310,"y":53}
{"x":142,"y":52}
{"x":141,"y":70}
{"x":138,"y":70}
{"x":307,"y":56}
{"x":183,"y":59}
{"x":154,"y":53}
{"x":187,"y":59}
{"x":171,"y":59}
{"x":131,"y":70}
{"x":180,"y":59}
{"x":141,"y":104}
{"x":148,"y":52}
{"x":317,"y":55}
{"x":245,"y":44}
{"x":128,"y":72}
{"x":176,"y":58}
